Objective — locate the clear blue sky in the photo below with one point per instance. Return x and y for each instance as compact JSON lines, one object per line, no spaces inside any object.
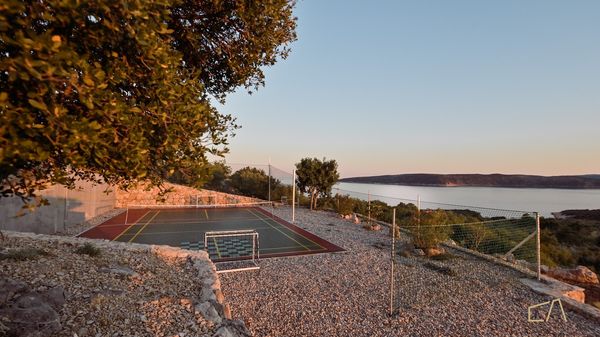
{"x":388,"y":87}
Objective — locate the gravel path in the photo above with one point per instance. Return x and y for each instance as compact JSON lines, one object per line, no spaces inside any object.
{"x":346,"y":293}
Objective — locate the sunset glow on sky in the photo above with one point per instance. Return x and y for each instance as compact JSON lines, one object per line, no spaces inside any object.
{"x":434,"y":87}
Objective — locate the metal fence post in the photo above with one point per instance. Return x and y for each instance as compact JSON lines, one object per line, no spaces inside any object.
{"x":294,"y":196}
{"x":393,"y":257}
{"x":537,"y":245}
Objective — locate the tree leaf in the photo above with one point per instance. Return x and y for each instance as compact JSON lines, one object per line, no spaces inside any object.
{"x":38,"y":104}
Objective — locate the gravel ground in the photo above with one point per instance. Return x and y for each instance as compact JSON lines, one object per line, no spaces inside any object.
{"x":347,"y":293}
{"x":154,"y":297}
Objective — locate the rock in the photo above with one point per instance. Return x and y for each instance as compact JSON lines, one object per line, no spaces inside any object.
{"x":55,"y":297}
{"x":31,"y":316}
{"x":510,"y":258}
{"x":226,"y":311}
{"x":450,"y":242}
{"x":232,"y":329}
{"x":375,"y":227}
{"x":356,"y":219}
{"x":435,"y":251}
{"x":419,"y":252}
{"x":219,"y":296}
{"x":577,"y":295}
{"x":209,"y":312}
{"x":580,"y":274}
{"x":526,"y":264}
{"x":9,"y":288}
{"x":544,"y":268}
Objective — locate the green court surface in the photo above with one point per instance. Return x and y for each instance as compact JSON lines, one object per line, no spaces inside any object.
{"x":185,"y":228}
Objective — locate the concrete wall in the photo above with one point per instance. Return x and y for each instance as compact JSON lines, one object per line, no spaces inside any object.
{"x":67,"y":207}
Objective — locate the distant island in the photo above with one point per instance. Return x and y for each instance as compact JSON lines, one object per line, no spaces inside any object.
{"x":590,"y":181}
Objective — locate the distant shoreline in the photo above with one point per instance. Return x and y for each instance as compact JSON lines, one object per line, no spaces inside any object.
{"x":481,"y":180}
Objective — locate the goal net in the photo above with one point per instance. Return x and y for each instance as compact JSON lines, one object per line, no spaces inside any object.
{"x":235,"y":250}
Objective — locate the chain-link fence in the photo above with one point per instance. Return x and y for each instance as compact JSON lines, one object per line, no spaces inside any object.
{"x":432,"y":229}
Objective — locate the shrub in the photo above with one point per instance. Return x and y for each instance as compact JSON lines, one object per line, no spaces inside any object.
{"x":23,"y":254}
{"x":88,"y":249}
{"x":430,"y":231}
{"x":344,"y":204}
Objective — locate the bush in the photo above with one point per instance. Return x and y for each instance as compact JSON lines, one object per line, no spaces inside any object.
{"x":471,"y":236}
{"x":88,"y":249}
{"x":23,"y":254}
{"x":430,"y":231}
{"x":344,"y":204}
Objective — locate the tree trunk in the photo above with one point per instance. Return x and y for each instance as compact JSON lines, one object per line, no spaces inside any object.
{"x":312,"y":199}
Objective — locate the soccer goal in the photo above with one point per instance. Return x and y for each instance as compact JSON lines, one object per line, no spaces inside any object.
{"x":203,"y":200}
{"x":231,"y":251}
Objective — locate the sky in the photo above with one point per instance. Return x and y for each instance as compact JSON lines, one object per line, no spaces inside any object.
{"x":390,"y":87}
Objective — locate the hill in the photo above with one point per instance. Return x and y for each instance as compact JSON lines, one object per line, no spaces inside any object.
{"x":482,"y":180}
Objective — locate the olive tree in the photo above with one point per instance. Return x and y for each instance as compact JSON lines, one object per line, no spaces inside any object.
{"x":316,"y":177}
{"x":119,"y":92}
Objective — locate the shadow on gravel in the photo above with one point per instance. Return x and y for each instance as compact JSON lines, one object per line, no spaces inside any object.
{"x":440,"y":269}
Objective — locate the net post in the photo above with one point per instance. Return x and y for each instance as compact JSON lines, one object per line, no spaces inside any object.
{"x":294,"y":196}
{"x":537,"y":245}
{"x":392,"y":259}
{"x":257,"y":246}
{"x":126,"y":215}
{"x":269,"y":178}
{"x":206,"y":243}
{"x":253,"y":247}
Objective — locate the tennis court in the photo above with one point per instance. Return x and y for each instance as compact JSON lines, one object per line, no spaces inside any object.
{"x":185,"y":227}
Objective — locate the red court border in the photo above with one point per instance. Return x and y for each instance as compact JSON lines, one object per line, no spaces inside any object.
{"x":330,"y":247}
{"x":113,"y":227}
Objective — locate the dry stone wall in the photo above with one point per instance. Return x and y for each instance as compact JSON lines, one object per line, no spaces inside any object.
{"x":209,"y":302}
{"x":179,"y":195}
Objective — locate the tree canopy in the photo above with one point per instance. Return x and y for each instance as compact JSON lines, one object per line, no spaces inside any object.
{"x":120,"y":91}
{"x":316,"y":177}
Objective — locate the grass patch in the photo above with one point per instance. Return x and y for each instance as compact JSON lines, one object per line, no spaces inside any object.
{"x":23,"y":254}
{"x":88,"y":249}
{"x":440,"y":269}
{"x":443,"y":257}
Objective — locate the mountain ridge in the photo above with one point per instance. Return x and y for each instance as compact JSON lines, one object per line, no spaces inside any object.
{"x":589,"y":181}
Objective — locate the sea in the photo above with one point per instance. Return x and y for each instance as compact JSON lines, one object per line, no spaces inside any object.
{"x":545,"y":201}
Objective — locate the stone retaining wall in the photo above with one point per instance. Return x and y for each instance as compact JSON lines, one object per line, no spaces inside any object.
{"x":211,"y":303}
{"x":179,"y":195}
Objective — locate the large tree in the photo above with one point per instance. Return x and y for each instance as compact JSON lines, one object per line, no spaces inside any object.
{"x":120,"y":91}
{"x":316,"y":177}
{"x":253,"y":182}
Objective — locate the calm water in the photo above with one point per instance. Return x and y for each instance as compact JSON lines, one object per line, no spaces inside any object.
{"x":539,"y":200}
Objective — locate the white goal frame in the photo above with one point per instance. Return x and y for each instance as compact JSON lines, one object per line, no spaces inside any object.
{"x":244,"y":232}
